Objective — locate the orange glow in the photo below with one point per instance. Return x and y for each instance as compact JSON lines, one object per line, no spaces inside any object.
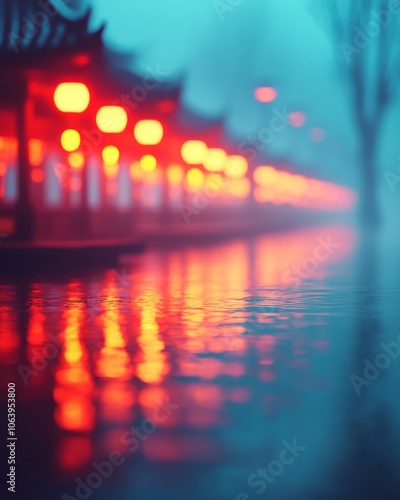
{"x":72,"y":97}
{"x":265,"y":176}
{"x":265,"y":94}
{"x":70,"y":140}
{"x":195,"y":178}
{"x":236,"y":167}
{"x":194,"y":152}
{"x":37,"y":175}
{"x":240,"y":188}
{"x":110,"y":155}
{"x":3,"y":168}
{"x":215,"y":160}
{"x":76,"y":160}
{"x":175,"y":175}
{"x":111,"y":171}
{"x":112,"y":119}
{"x":136,"y":171}
{"x":280,"y":187}
{"x":148,"y":163}
{"x":35,"y":152}
{"x":149,"y":132}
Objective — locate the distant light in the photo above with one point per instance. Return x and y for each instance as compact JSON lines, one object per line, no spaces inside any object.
{"x":110,"y":155}
{"x":76,"y":160}
{"x":148,"y":163}
{"x":167,"y":106}
{"x":236,"y":167}
{"x":215,"y":160}
{"x":72,"y":97}
{"x":195,"y":178}
{"x":266,"y":176}
{"x":37,"y":175}
{"x":149,"y":132}
{"x":297,"y":119}
{"x":175,"y":175}
{"x":194,"y":152}
{"x":265,"y":94}
{"x":81,"y":60}
{"x":36,"y":153}
{"x":317,"y":134}
{"x":112,"y":119}
{"x":70,"y":140}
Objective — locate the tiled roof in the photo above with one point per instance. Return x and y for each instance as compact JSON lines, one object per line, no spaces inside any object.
{"x":30,"y":29}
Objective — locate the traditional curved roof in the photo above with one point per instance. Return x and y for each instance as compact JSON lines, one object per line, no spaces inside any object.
{"x":30,"y":30}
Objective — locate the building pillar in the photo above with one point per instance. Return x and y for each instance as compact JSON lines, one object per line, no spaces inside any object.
{"x":24,"y":212}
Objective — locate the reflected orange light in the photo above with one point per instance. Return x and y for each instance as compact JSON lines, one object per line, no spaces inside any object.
{"x":112,"y":119}
{"x":148,"y":163}
{"x":215,"y":160}
{"x":70,"y":140}
{"x":110,"y":155}
{"x":37,"y":175}
{"x":265,"y":94}
{"x":195,"y":178}
{"x":175,"y":175}
{"x":72,"y":97}
{"x":76,"y":160}
{"x":148,"y":132}
{"x":36,"y":152}
{"x":194,"y":152}
{"x":236,"y":167}
{"x":3,"y":168}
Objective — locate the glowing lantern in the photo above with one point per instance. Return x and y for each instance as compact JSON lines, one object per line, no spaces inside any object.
{"x":266,"y":176}
{"x":76,"y":160}
{"x":194,"y":152}
{"x":265,"y":94}
{"x":195,"y":178}
{"x":70,"y":140}
{"x":236,"y":167}
{"x":72,"y":97}
{"x":215,"y":160}
{"x":297,"y":119}
{"x":149,"y":132}
{"x":110,"y":155}
{"x":112,"y":119}
{"x":175,"y":175}
{"x":136,"y":171}
{"x":148,"y":163}
{"x":35,"y":152}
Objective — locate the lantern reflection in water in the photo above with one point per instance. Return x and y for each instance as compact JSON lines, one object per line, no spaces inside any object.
{"x":217,"y":332}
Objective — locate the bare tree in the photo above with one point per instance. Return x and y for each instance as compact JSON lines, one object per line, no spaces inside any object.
{"x":367,"y":37}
